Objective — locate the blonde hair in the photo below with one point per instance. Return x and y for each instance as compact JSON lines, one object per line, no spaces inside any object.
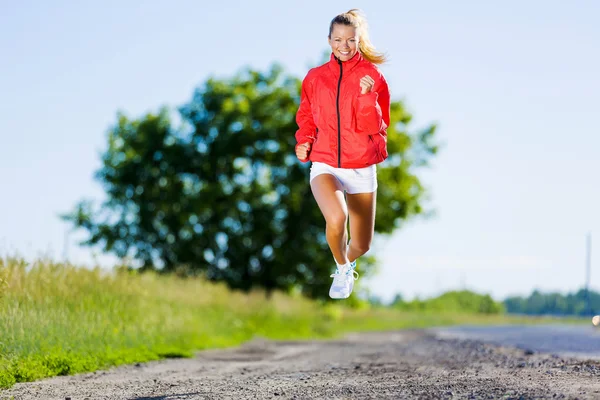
{"x":356,"y":19}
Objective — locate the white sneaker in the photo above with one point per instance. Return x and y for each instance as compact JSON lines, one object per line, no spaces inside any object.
{"x":343,"y":281}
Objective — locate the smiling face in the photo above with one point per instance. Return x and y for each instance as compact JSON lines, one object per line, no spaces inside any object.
{"x":343,"y":41}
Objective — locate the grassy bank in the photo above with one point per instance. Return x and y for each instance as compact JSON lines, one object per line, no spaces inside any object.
{"x":58,"y":319}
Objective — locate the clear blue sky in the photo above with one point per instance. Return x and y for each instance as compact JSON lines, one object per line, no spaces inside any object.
{"x":513,"y":85}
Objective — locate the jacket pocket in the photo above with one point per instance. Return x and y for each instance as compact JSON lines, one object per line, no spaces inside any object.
{"x":375,"y":146}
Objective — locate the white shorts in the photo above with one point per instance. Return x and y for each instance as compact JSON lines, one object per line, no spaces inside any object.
{"x":359,"y":180}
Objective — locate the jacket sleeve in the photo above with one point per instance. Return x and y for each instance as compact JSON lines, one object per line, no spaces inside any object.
{"x":373,"y":111}
{"x":304,"y":117}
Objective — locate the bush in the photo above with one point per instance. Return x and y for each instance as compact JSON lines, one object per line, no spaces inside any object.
{"x":463,"y":301}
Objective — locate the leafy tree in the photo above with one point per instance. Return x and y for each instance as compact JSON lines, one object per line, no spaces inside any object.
{"x":223,"y":195}
{"x":539,"y":303}
{"x":397,"y":300}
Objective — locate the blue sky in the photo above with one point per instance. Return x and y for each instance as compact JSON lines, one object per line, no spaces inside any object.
{"x":514,"y":88}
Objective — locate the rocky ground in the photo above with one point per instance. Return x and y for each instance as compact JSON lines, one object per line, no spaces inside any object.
{"x":392,"y":365}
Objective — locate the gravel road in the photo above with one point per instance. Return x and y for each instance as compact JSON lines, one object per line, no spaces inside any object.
{"x":413,"y":364}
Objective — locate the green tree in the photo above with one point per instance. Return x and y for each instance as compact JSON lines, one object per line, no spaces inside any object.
{"x":222,"y":194}
{"x":554,"y":303}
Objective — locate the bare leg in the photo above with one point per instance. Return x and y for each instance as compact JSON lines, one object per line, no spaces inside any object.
{"x":330,"y":197}
{"x":361,"y":207}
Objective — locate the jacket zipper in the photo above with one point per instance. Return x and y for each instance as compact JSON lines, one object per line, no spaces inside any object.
{"x":337,"y":104}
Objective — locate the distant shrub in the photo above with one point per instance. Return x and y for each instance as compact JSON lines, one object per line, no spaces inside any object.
{"x":463,"y":301}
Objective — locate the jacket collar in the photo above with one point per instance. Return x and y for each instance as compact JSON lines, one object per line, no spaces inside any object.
{"x":346,"y":65}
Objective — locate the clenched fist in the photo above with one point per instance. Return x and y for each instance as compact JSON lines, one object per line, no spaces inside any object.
{"x":366,"y":84}
{"x":302,"y":151}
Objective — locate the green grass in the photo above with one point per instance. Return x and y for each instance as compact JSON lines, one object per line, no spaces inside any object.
{"x":58,"y":319}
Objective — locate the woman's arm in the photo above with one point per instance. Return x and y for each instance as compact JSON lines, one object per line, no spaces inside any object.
{"x":306,"y":125}
{"x":373,"y":111}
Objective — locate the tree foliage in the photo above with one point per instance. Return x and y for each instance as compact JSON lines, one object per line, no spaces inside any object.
{"x":221,"y":193}
{"x":464,"y":301}
{"x":582,"y":303}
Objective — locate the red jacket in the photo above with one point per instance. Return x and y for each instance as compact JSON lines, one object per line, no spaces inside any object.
{"x":346,"y":129}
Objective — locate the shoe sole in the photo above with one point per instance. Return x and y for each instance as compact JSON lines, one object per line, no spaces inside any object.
{"x":338,"y":298}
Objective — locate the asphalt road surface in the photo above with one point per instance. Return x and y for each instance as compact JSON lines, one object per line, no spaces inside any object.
{"x":570,"y":340}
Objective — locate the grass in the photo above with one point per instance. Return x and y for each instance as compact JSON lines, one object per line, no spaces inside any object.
{"x":58,"y":319}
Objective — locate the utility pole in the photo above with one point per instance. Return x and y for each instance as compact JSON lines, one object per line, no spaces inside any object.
{"x":588,"y":273}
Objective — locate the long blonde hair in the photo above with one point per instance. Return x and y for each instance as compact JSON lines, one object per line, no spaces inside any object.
{"x":356,"y":19}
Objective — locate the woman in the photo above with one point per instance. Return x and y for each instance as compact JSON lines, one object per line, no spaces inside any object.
{"x":343,"y":116}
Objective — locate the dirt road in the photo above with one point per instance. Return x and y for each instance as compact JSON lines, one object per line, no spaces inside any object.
{"x":395,"y":365}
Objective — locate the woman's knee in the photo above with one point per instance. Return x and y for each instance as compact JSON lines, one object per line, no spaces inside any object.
{"x":361,"y":246}
{"x":336,"y":220}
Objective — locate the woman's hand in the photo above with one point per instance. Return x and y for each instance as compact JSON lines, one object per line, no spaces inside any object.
{"x":302,"y":151}
{"x":366,"y":84}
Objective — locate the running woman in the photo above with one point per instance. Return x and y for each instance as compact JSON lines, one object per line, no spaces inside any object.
{"x":343,"y":117}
